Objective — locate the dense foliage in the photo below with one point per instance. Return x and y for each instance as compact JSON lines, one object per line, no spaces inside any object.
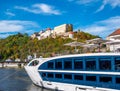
{"x":21,"y":45}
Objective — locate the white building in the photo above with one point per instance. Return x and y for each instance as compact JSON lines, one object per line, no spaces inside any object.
{"x":17,"y":60}
{"x":59,"y":30}
{"x":45,"y":34}
{"x":71,"y":35}
{"x":8,"y":60}
{"x":114,"y":44}
{"x":62,"y":30}
{"x":35,"y":35}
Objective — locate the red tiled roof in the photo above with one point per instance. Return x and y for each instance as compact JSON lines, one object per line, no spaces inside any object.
{"x":48,"y":29}
{"x":117,"y":32}
{"x":71,"y":32}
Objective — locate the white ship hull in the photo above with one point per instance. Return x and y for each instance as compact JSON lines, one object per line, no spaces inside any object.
{"x":34,"y":74}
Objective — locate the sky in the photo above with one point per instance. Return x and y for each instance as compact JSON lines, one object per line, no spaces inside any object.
{"x":97,"y":17}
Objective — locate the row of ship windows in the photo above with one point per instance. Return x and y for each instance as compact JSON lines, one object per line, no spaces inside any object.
{"x":77,"y":77}
{"x":91,"y":64}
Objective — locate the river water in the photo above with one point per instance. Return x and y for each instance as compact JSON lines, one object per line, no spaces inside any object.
{"x":16,"y":79}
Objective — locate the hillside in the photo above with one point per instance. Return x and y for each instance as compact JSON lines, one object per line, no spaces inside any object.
{"x":21,"y":45}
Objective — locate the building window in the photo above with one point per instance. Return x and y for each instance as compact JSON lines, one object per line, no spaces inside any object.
{"x":50,"y":65}
{"x":117,"y":64}
{"x":78,"y":77}
{"x":67,"y":76}
{"x":90,"y":65}
{"x":106,"y":79}
{"x":90,"y":78}
{"x":58,"y":65}
{"x":105,"y":64}
{"x":50,"y":75}
{"x":118,"y":80}
{"x":67,"y":64}
{"x":78,"y":64}
{"x":58,"y":75}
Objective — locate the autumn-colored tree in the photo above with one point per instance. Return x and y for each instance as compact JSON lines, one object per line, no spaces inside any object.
{"x":21,"y":45}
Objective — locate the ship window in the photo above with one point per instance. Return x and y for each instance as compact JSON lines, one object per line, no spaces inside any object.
{"x":78,"y":64}
{"x":90,"y":78}
{"x":105,"y":64}
{"x":67,"y":64}
{"x":34,"y":63}
{"x":43,"y":74}
{"x":58,"y":75}
{"x":90,"y":65}
{"x":67,"y":76}
{"x":106,"y":79}
{"x":50,"y":65}
{"x":117,"y":63}
{"x":78,"y":77}
{"x":118,"y":80}
{"x":50,"y":75}
{"x":58,"y":65}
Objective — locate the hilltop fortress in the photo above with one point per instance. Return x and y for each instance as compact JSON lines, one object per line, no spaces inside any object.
{"x":64,"y":30}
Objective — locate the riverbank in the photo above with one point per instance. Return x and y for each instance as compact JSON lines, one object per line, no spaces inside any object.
{"x":12,"y":65}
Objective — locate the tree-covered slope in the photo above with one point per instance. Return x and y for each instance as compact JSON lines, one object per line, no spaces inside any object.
{"x":21,"y":45}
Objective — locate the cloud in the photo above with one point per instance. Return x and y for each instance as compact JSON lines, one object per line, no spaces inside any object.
{"x":102,"y":6}
{"x":40,"y":9}
{"x":9,"y":13}
{"x":8,"y":27}
{"x":115,"y":3}
{"x":112,"y":3}
{"x":103,"y":28}
{"x":84,"y":2}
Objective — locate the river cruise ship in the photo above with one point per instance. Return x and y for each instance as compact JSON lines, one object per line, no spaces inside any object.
{"x":77,"y":72}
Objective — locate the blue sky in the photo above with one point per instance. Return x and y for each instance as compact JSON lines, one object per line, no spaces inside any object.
{"x":98,"y":17}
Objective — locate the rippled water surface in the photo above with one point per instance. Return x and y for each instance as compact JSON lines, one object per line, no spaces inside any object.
{"x":12,"y":79}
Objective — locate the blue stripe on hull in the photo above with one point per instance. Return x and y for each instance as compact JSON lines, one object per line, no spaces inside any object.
{"x":97,"y":83}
